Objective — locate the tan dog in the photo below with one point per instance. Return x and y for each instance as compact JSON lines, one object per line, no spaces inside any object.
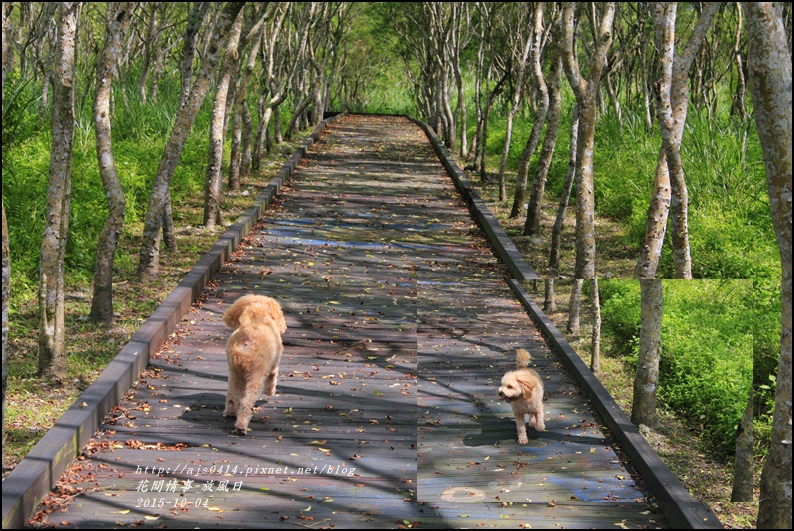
{"x":253,"y":351}
{"x":523,"y":389}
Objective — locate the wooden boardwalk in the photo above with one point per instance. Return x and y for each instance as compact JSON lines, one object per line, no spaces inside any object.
{"x":401,"y":325}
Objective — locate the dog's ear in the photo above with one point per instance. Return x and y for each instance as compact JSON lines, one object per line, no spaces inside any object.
{"x":527,"y":384}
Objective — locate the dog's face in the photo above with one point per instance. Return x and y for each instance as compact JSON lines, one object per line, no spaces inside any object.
{"x":518,"y":385}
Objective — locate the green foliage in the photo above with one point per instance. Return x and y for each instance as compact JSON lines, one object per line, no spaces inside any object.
{"x":706,"y":362}
{"x":139,"y":136}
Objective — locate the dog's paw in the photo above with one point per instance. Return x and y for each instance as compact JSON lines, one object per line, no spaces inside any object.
{"x":240,"y":431}
{"x":523,"y":440}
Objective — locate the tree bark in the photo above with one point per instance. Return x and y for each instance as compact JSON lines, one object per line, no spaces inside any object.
{"x":565,"y":197}
{"x":518,"y":84}
{"x":549,"y":304}
{"x":52,"y":343}
{"x":149,"y":265}
{"x":670,"y":195}
{"x":595,"y":350}
{"x":532,"y":223}
{"x":573,"y":307}
{"x":769,"y":69}
{"x":6,"y":295}
{"x":643,"y":408}
{"x":743,"y":462}
{"x":542,"y":100}
{"x":213,"y":190}
{"x":586,"y":91}
{"x":102,"y":303}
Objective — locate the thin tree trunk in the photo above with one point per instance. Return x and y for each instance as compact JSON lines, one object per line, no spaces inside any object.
{"x":549,"y":304}
{"x":149,"y":266}
{"x":532,"y":223}
{"x":743,"y":462}
{"x":213,"y":183}
{"x":559,"y":222}
{"x":769,"y":68}
{"x":52,"y":343}
{"x":102,"y":303}
{"x":595,"y":350}
{"x":573,"y":307}
{"x":586,"y":91}
{"x":519,"y":82}
{"x":542,"y":99}
{"x":6,"y":294}
{"x":656,"y":222}
{"x":643,"y":409}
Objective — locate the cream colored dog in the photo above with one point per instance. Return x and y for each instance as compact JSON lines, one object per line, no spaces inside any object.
{"x":523,"y":389}
{"x":253,"y":351}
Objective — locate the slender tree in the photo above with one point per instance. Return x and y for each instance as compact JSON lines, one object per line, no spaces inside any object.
{"x":769,"y":67}
{"x":643,"y":407}
{"x":573,"y":307}
{"x":52,"y":343}
{"x":743,"y":461}
{"x":119,"y":18}
{"x":670,"y":193}
{"x":213,"y":191}
{"x":539,"y":81}
{"x":586,"y":91}
{"x":149,"y":265}
{"x":595,"y":349}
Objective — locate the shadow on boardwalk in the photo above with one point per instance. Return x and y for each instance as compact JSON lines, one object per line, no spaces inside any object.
{"x":400,"y":324}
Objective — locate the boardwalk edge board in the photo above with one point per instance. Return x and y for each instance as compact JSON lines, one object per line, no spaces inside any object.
{"x":502,"y":243}
{"x":37,"y":472}
{"x":681,"y":510}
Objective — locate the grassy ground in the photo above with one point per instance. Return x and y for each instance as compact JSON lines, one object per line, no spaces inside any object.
{"x":706,"y":474}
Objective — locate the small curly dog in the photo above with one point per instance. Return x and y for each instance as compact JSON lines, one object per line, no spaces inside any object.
{"x":253,"y":351}
{"x":523,"y":390}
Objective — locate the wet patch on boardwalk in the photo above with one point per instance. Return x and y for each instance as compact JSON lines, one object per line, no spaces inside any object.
{"x":400,"y":326}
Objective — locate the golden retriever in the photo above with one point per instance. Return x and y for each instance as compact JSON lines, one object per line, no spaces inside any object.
{"x":523,"y":390}
{"x":253,"y":352}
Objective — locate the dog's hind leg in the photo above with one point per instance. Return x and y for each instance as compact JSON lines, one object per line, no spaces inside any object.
{"x":270,"y":382}
{"x":253,"y":386}
{"x":233,"y":395}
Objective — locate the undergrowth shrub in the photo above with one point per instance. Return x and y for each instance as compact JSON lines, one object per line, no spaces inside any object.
{"x":707,"y":347}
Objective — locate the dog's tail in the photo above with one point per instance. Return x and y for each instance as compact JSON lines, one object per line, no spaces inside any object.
{"x":522,"y":358}
{"x":237,"y":313}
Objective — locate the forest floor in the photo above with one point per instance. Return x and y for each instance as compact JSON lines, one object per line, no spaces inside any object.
{"x":707,"y":475}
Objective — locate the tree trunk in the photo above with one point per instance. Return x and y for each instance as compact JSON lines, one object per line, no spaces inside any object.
{"x":542,"y":99}
{"x":52,"y":343}
{"x":565,"y":197}
{"x":549,"y":304}
{"x":769,"y":68}
{"x":149,"y":266}
{"x":743,"y":462}
{"x":102,"y":303}
{"x":643,"y":408}
{"x":213,"y":183}
{"x":519,"y":82}
{"x":532,"y":223}
{"x":197,"y":14}
{"x":573,"y":307}
{"x":6,"y":295}
{"x":595,"y":351}
{"x":586,"y":91}
{"x":656,"y":223}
